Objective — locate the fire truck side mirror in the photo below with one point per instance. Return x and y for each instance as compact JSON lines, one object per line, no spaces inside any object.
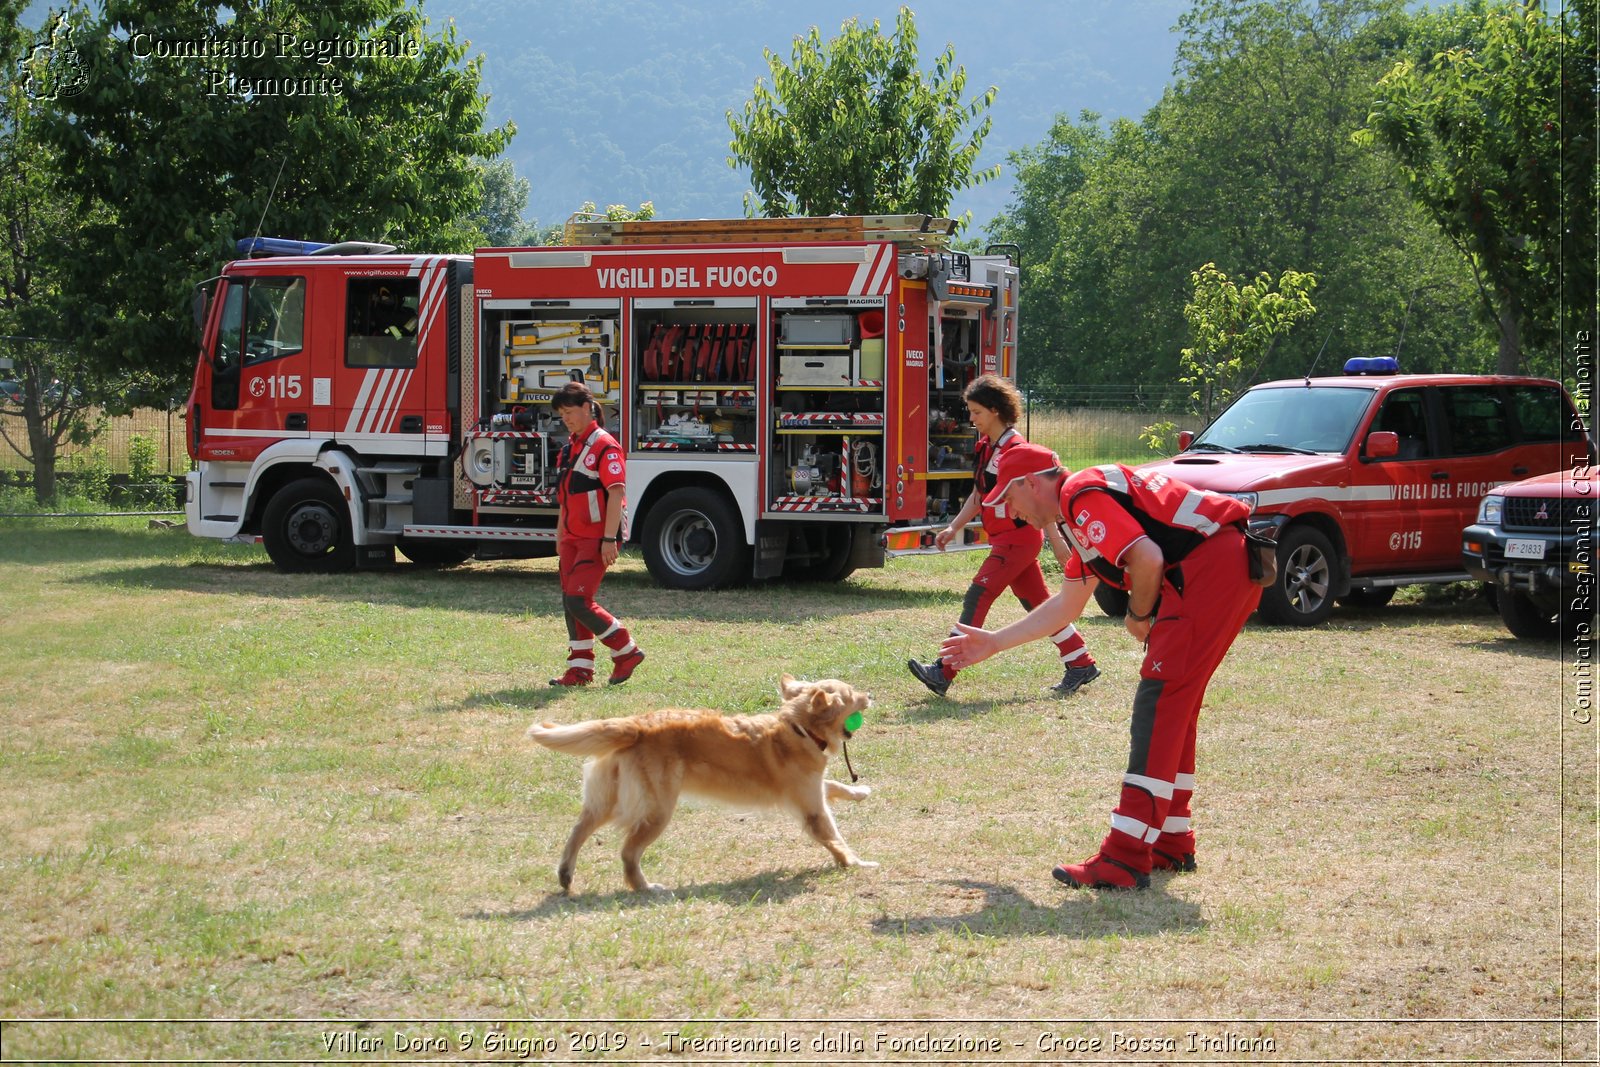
{"x":1185,"y":439}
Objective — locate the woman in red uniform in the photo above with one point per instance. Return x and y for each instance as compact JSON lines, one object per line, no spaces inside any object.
{"x":589,"y":485}
{"x":995,"y":406}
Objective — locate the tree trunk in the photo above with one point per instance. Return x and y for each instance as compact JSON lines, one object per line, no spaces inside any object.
{"x":43,"y":446}
{"x":1509,"y":360}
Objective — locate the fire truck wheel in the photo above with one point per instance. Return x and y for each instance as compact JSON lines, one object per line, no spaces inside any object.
{"x":834,"y":546}
{"x":693,"y":540}
{"x":1307,"y":568}
{"x":1112,"y":601}
{"x":434,"y":554}
{"x":1526,"y":619}
{"x":306,"y":530}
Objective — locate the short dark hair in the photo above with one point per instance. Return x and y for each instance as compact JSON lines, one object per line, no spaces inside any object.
{"x":572,"y":395}
{"x":998,"y":395}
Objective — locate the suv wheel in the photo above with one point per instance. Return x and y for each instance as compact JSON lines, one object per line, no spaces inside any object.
{"x":1376,"y":597}
{"x":1307,"y":567}
{"x":1526,"y":619}
{"x":1112,"y":601}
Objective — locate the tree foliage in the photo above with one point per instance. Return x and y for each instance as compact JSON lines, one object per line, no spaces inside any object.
{"x":1247,"y":162}
{"x":1474,"y":119}
{"x":854,"y":126}
{"x":187,"y":155}
{"x":55,"y":392}
{"x":1232,"y":327}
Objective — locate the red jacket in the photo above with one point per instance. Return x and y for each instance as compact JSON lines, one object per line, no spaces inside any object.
{"x":589,"y":464}
{"x":1108,"y":508}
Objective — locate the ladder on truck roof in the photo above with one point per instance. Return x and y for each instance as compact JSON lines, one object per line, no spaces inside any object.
{"x":907,"y":231}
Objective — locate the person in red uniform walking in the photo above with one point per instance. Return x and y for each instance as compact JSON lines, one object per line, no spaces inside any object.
{"x":589,"y":486}
{"x":995,"y":406}
{"x":1181,"y":555}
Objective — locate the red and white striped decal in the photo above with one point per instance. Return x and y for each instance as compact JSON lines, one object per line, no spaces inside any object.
{"x":803,"y":420}
{"x":383,"y":388}
{"x":871,"y":278}
{"x":826,"y":503}
{"x":673,"y":446}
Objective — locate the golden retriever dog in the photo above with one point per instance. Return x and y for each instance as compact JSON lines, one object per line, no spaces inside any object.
{"x":639,"y":765}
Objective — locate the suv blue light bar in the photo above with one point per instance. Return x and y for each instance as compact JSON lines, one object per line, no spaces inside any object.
{"x":1372,"y":365}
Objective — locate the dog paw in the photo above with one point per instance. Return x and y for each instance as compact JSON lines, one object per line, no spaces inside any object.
{"x":866,"y":864}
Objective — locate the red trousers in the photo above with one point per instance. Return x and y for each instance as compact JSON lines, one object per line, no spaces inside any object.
{"x":1194,"y":628}
{"x":582,"y":569}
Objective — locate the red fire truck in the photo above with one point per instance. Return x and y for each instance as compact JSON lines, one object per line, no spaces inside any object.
{"x":789,"y":393}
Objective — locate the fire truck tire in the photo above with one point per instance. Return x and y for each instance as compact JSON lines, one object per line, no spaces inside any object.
{"x":1112,"y":601}
{"x":1526,"y":619}
{"x":434,"y":553}
{"x":693,"y":540}
{"x":1307,"y":570}
{"x":306,"y":529}
{"x":833,"y":565}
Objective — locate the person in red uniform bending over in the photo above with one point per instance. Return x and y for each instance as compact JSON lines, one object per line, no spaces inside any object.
{"x":995,"y":406}
{"x":1180,"y":554}
{"x":589,"y":485}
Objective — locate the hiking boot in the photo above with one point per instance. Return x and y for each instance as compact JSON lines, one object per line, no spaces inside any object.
{"x":1100,"y":872}
{"x":930,"y":675}
{"x":622,"y":666}
{"x":575,"y":676}
{"x":1075,"y":678}
{"x":1182,"y":863}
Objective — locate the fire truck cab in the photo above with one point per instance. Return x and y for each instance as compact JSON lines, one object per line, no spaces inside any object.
{"x":788,"y":392}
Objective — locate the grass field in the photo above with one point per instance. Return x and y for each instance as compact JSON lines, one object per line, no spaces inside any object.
{"x":305,"y":802}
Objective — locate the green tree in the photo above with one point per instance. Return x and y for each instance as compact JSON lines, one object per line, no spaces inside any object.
{"x":185,"y":156}
{"x":501,"y":213}
{"x":1473,"y":119}
{"x":855,"y":127}
{"x":1247,"y":162}
{"x":1232,"y":327}
{"x":55,"y":402}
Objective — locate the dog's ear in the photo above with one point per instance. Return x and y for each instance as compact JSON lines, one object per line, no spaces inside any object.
{"x":790,"y":687}
{"x":820,"y":701}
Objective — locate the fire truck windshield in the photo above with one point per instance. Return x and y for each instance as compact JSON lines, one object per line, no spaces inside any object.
{"x":1297,"y":419}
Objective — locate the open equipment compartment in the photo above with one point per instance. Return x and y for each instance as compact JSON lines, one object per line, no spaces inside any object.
{"x":694,"y":361}
{"x":532,"y":348}
{"x":828,"y":437}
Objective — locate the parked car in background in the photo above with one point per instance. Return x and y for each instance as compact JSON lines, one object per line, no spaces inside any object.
{"x":11,"y":392}
{"x":1367,"y":479}
{"x":1534,"y":544}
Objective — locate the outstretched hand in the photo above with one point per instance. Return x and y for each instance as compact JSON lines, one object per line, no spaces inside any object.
{"x":967,"y":646}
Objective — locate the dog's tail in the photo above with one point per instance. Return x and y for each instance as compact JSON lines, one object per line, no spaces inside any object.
{"x":594,"y":738}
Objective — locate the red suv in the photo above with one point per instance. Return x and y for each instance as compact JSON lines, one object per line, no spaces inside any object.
{"x":1368,"y":479}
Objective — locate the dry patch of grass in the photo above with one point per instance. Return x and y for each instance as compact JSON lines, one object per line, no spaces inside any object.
{"x":228,"y":793}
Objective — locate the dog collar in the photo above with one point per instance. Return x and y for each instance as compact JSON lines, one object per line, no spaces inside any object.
{"x":822,"y":744}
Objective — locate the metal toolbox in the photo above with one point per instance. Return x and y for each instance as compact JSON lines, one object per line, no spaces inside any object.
{"x":814,"y":368}
{"x":825,"y":330}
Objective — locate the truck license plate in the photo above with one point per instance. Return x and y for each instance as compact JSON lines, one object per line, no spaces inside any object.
{"x":1522,"y":548}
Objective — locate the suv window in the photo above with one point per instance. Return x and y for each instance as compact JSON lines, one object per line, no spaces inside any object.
{"x":1542,"y":413}
{"x":1478,"y":419}
{"x":1317,"y":418}
{"x":1405,"y":414}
